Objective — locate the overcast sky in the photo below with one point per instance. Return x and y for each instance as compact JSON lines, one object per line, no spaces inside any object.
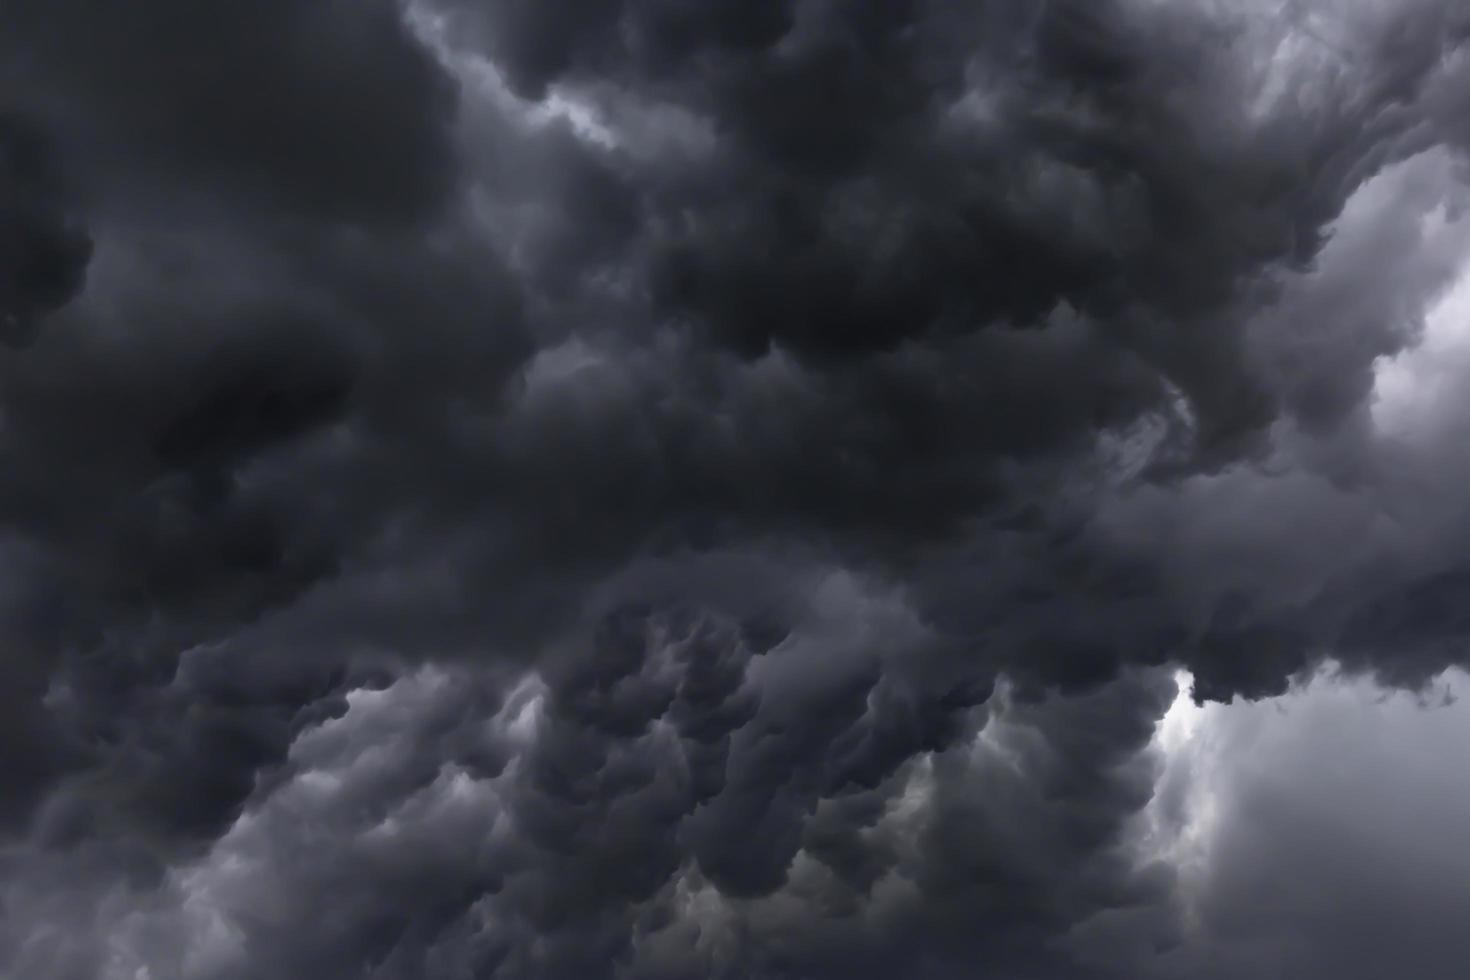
{"x":734,"y":489}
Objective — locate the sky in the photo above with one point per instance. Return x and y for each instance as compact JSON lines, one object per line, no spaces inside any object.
{"x":734,"y":490}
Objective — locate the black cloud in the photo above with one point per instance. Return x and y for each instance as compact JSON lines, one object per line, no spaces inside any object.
{"x":43,"y":253}
{"x":659,"y":489}
{"x":332,"y":108}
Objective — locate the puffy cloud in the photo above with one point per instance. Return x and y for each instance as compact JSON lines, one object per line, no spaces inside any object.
{"x":655,"y":812}
{"x":659,"y":489}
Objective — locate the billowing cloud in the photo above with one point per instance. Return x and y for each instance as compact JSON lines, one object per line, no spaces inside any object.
{"x":652,"y":489}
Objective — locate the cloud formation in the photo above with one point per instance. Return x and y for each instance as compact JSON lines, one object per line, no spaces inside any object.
{"x":44,"y":256}
{"x":648,"y":489}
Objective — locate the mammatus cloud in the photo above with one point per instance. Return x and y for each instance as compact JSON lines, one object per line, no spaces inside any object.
{"x":644,"y":489}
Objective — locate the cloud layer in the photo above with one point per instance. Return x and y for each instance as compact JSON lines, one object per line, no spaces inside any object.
{"x":647,"y":489}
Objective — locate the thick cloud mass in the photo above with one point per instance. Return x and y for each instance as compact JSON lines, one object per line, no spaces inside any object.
{"x":44,"y":257}
{"x":655,"y":489}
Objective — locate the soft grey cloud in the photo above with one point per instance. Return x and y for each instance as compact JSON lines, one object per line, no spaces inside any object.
{"x":1315,"y":832}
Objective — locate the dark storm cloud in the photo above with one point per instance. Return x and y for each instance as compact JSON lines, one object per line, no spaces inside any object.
{"x":43,"y":253}
{"x":658,"y":489}
{"x":891,"y":172}
{"x":331,"y":108}
{"x":154,"y":439}
{"x":558,"y":829}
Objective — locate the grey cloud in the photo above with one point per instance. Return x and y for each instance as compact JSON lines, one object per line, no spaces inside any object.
{"x":837,"y":415}
{"x":331,"y":109}
{"x":1318,"y":828}
{"x":43,"y":252}
{"x":451,"y":824}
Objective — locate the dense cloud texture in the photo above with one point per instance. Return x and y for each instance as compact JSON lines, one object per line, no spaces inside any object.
{"x":654,"y":489}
